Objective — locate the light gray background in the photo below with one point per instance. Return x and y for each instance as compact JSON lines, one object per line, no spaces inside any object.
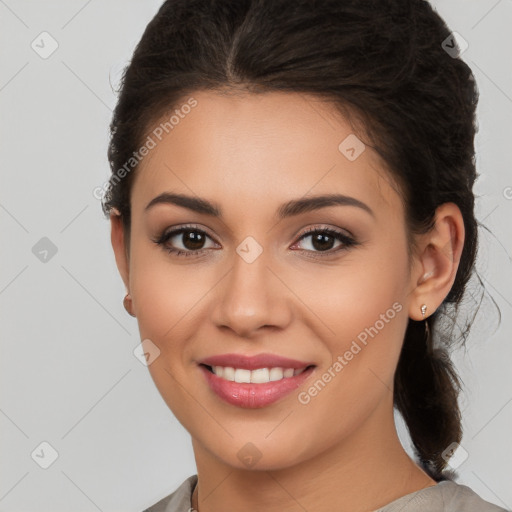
{"x":68,"y":373}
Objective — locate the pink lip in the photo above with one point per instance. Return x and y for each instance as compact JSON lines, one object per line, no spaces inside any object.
{"x":254,"y":362}
{"x":251,"y":395}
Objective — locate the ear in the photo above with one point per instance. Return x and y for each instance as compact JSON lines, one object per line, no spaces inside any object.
{"x":437,"y":261}
{"x":118,"y":244}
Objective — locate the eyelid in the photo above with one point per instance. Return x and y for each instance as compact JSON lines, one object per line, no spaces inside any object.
{"x":167,"y":234}
{"x":178,"y":229}
{"x":310,"y":229}
{"x":325,"y":227}
{"x":349,"y":239}
{"x":345,"y":237}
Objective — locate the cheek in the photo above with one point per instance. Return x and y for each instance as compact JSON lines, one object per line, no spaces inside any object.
{"x":364,"y":288}
{"x":365,"y":307}
{"x":164,"y":296}
{"x":366,"y":312}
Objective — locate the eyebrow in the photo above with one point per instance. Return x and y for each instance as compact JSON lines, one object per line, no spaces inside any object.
{"x":289,"y":209}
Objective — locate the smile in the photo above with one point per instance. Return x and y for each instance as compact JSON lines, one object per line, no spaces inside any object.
{"x":257,"y":376}
{"x":248,"y":393}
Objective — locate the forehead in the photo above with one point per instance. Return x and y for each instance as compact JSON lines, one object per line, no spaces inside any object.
{"x":257,"y":150}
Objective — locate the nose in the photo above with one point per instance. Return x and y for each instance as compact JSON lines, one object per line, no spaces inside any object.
{"x":252,"y":298}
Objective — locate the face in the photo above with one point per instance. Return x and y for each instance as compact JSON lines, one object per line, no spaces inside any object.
{"x":262,"y":278}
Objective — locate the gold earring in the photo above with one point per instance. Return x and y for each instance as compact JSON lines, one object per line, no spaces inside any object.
{"x":127,"y":302}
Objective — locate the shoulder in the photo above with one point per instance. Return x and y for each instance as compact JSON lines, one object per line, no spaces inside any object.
{"x":446,"y":496}
{"x":460,"y":497}
{"x":177,"y":501}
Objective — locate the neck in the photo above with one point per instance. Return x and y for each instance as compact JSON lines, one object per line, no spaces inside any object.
{"x":365,"y":471}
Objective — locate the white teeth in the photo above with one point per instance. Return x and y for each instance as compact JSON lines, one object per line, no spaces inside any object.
{"x":275,"y":374}
{"x":242,"y":375}
{"x":228,"y":373}
{"x":258,"y":376}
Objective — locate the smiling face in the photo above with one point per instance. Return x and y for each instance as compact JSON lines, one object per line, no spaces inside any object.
{"x":250,"y":280}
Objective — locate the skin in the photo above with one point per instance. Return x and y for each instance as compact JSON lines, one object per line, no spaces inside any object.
{"x":249,"y":153}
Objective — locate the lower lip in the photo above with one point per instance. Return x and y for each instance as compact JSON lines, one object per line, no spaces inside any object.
{"x":251,"y":395}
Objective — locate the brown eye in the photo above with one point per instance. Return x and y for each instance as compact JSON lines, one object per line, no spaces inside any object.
{"x":324,"y":239}
{"x":184,"y":241}
{"x":192,"y":240}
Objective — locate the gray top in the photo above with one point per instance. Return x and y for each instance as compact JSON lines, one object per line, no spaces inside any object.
{"x":446,"y":496}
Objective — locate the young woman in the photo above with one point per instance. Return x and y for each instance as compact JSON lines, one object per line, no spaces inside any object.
{"x":292,"y":215}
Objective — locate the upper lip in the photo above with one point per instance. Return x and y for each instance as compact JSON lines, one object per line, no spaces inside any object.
{"x":254,"y":362}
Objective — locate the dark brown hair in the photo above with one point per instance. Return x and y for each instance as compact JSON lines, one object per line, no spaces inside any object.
{"x":383,"y":64}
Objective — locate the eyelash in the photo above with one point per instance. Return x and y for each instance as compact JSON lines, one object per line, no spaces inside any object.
{"x":342,"y":237}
